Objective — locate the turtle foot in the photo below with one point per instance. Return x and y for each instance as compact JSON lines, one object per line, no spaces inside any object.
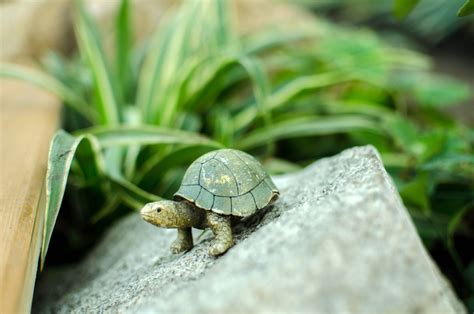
{"x":180,"y":246}
{"x":218,"y":248}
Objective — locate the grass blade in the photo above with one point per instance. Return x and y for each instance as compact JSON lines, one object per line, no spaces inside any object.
{"x":403,"y":7}
{"x":146,"y":135}
{"x":163,"y":62}
{"x":153,"y":171}
{"x":276,"y":166}
{"x":61,"y":153}
{"x":222,"y":126}
{"x":132,"y":192}
{"x":260,"y":44}
{"x":123,"y":46}
{"x":107,"y":106}
{"x":467,"y":8}
{"x":288,"y":92}
{"x":201,"y":31}
{"x":202,"y":80}
{"x":306,"y":127}
{"x":50,"y":84}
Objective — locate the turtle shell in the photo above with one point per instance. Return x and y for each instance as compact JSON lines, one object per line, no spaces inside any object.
{"x":229,"y":182}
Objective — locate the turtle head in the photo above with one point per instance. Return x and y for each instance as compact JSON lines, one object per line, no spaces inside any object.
{"x":168,"y":214}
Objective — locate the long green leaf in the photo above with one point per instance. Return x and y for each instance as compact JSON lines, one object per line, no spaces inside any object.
{"x":261,"y":43}
{"x":202,"y":81}
{"x":306,"y":127}
{"x":275,"y":166}
{"x":467,"y":8}
{"x":153,"y":171}
{"x":50,"y":84}
{"x":168,"y":105}
{"x":123,"y":47}
{"x":61,"y":153}
{"x":222,"y":126}
{"x":163,"y":62}
{"x":403,"y":7}
{"x":200,"y":32}
{"x":146,"y":135}
{"x":149,"y":76}
{"x":133,"y":192}
{"x":89,"y":44}
{"x":288,"y":92}
{"x":260,"y":85}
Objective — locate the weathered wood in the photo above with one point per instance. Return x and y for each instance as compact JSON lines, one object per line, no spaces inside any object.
{"x":28,"y":118}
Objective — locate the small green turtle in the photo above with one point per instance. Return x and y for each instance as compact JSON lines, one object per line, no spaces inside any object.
{"x":218,"y":189}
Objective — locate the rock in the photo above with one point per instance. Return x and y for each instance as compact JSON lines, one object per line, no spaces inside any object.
{"x":338,"y":241}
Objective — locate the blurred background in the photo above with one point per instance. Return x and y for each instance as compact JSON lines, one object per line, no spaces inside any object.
{"x":287,"y":81}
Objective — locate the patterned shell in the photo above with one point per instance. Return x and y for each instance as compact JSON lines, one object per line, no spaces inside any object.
{"x":228,"y":182}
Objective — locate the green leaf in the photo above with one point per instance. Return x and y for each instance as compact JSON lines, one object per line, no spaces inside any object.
{"x":459,"y":164}
{"x":262,"y":42}
{"x":145,"y":135}
{"x":131,"y":193}
{"x":405,"y":134}
{"x":123,"y":47}
{"x":311,"y":126}
{"x":49,"y":84}
{"x":439,"y":91}
{"x":216,"y":69}
{"x":155,"y":168}
{"x":403,"y":7}
{"x":222,"y":126}
{"x":467,"y":8}
{"x":89,"y":44}
{"x":260,"y":85}
{"x":456,"y":220}
{"x":398,"y":160}
{"x":200,"y":32}
{"x":415,"y":193}
{"x":61,"y":153}
{"x":111,"y":205}
{"x":132,"y":118}
{"x":164,"y":62}
{"x":204,"y":77}
{"x":280,"y":166}
{"x":288,"y":92}
{"x":222,"y":20}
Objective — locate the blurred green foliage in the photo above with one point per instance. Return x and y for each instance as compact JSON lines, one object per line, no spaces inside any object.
{"x":429,"y":20}
{"x":138,"y":118}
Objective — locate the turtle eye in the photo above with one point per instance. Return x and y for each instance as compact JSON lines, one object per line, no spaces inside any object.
{"x":158,"y":209}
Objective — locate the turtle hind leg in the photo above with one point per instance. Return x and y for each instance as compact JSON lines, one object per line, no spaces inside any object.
{"x":221,"y":227}
{"x":183,"y":242}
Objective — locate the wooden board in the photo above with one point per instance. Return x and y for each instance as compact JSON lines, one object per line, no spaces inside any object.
{"x":28,"y":119}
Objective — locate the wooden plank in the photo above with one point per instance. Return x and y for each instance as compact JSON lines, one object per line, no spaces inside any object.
{"x":28,"y":119}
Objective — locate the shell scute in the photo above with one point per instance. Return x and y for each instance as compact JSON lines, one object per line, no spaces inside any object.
{"x":218,"y":179}
{"x":262,"y":194}
{"x":189,"y":192}
{"x":192,"y":174}
{"x":243,"y":205}
{"x":205,"y":199}
{"x":222,"y":205}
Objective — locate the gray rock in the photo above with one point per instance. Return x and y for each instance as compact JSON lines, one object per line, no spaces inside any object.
{"x":338,"y":241}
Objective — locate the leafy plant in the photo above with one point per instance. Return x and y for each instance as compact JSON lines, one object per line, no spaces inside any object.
{"x":467,"y":8}
{"x":137,"y":119}
{"x":403,"y":7}
{"x":430,"y":20}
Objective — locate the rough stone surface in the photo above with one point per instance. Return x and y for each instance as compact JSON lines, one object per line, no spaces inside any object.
{"x":338,"y":241}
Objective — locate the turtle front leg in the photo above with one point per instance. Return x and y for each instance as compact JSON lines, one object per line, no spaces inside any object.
{"x":183,"y":242}
{"x":221,"y":227}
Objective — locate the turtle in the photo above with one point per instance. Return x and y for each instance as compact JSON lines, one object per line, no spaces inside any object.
{"x":218,"y":189}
